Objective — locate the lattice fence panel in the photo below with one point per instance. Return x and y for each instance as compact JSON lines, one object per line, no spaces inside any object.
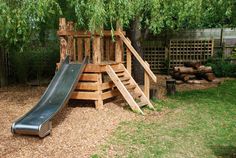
{"x":181,"y":51}
{"x":155,"y":55}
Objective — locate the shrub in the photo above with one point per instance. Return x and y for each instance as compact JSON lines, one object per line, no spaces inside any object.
{"x":35,"y":62}
{"x":222,"y":67}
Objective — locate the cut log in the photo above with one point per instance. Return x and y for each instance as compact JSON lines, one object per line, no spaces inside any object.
{"x":194,"y":64}
{"x":186,"y":70}
{"x":183,"y":77}
{"x":176,"y":69}
{"x":179,"y":81}
{"x":205,"y":69}
{"x":197,"y":81}
{"x":209,"y":76}
{"x":191,"y":77}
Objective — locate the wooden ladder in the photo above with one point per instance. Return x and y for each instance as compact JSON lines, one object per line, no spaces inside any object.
{"x":129,"y":88}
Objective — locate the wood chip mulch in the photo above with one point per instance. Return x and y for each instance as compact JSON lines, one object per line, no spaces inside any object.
{"x":77,"y":131}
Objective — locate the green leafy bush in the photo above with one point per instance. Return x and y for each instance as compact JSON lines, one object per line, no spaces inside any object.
{"x":35,"y":62}
{"x":222,"y":67}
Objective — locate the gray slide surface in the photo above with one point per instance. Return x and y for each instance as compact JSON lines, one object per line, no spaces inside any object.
{"x":38,"y":120}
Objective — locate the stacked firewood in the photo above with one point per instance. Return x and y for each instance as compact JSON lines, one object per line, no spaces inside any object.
{"x":193,"y":72}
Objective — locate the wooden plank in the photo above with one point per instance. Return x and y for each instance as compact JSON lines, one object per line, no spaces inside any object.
{"x":89,"y":77}
{"x":80,"y":49}
{"x":87,"y":47}
{"x":96,"y":50}
{"x":100,"y":68}
{"x":146,"y":83}
{"x":110,"y":94}
{"x":107,"y":85}
{"x":138,"y":57}
{"x":84,"y":95}
{"x":87,"y":86}
{"x":127,"y":96}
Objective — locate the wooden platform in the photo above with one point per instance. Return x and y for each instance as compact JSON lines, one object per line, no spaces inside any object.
{"x":95,"y":84}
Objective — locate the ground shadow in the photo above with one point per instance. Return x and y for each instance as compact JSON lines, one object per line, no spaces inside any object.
{"x":224,"y":151}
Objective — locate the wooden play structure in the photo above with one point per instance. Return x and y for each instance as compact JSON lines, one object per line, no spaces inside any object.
{"x":105,"y":76}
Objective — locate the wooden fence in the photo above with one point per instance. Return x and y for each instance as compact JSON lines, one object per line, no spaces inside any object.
{"x":179,"y":51}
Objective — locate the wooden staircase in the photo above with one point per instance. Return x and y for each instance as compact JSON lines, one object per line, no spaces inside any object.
{"x":129,"y":88}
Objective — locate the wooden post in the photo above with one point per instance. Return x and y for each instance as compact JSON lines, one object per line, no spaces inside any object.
{"x":96,"y":50}
{"x":102,"y":48}
{"x":147,"y":83}
{"x":119,"y":45}
{"x":128,"y":61}
{"x":87,"y":48}
{"x":62,"y":24}
{"x":80,"y":49}
{"x":63,"y":48}
{"x":99,"y":102}
{"x":70,"y":46}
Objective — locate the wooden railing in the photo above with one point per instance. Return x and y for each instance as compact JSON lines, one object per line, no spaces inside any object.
{"x":131,"y":51}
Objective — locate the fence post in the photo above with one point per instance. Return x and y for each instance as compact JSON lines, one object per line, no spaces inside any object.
{"x":147,"y":83}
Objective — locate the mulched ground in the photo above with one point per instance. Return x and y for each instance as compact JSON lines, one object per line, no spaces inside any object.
{"x":77,"y":130}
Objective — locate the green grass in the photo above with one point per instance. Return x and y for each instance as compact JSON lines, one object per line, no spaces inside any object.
{"x":199,"y":123}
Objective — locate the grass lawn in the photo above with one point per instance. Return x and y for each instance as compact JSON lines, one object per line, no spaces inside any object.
{"x":199,"y":123}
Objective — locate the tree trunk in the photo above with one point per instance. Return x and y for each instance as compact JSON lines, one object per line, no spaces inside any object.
{"x":135,"y":37}
{"x":3,"y":75}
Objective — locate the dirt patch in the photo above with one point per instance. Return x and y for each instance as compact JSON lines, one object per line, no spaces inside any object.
{"x":77,"y":131}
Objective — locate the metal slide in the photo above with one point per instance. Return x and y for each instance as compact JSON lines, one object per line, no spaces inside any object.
{"x":38,"y":120}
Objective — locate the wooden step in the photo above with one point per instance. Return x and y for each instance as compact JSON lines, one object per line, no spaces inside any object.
{"x":120,"y":74}
{"x":123,"y":90}
{"x":141,"y":104}
{"x":135,"y":95}
{"x":124,"y":78}
{"x":130,"y":87}
{"x":126,"y":82}
{"x":119,"y":70}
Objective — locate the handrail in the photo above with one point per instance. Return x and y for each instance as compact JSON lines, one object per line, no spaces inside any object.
{"x":137,"y":56}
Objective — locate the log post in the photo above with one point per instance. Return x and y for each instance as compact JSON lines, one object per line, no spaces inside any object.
{"x":119,"y":45}
{"x":99,"y":102}
{"x":147,"y":83}
{"x":63,"y":49}
{"x":170,"y":86}
{"x":62,"y":24}
{"x":96,"y":50}
{"x":70,"y":46}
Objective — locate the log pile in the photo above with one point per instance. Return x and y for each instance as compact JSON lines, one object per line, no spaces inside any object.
{"x":193,"y":72}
